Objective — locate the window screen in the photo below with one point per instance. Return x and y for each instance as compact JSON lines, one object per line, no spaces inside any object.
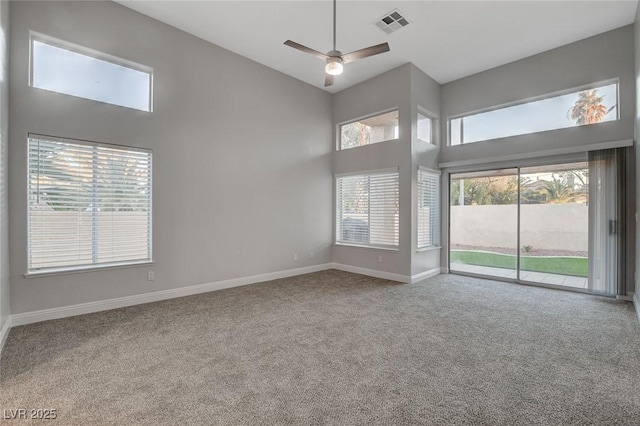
{"x":367,"y":209}
{"x":89,"y":205}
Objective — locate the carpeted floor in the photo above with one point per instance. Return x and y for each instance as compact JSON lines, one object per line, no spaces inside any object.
{"x":336,"y":348}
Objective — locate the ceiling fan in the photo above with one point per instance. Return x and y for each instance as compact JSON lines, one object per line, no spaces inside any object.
{"x":334,"y":58}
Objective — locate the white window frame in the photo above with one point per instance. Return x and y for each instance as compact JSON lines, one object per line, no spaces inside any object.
{"x":434,"y":219}
{"x":365,"y":117}
{"x":543,"y":97}
{"x":434,"y":125}
{"x":34,"y":272}
{"x":338,"y":213}
{"x":92,"y":53}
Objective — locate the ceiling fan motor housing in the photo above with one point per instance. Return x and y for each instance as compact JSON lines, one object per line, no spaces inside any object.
{"x":334,"y":56}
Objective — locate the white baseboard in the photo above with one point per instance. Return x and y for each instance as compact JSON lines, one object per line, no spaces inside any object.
{"x":426,"y":274}
{"x":4,"y":332}
{"x":636,"y":303}
{"x":121,"y":302}
{"x":372,"y":273}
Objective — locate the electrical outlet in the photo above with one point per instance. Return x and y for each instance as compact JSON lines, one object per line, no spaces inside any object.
{"x":310,"y":255}
{"x":380,"y":259}
{"x":151,"y":276}
{"x":295,"y":257}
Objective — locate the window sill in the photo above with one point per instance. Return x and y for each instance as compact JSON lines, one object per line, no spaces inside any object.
{"x":340,"y":149}
{"x":368,"y":247}
{"x":81,"y":269}
{"x":434,"y":144}
{"x":429,"y":248}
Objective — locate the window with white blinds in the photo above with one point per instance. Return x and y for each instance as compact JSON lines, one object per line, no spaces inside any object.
{"x":367,"y":209}
{"x":428,"y":208}
{"x":89,"y":205}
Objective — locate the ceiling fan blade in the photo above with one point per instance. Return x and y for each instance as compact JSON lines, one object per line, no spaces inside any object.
{"x":328,"y":80}
{"x":306,"y":50}
{"x":367,"y":51}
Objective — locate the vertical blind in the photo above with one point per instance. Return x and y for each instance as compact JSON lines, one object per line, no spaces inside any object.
{"x":605,"y":222}
{"x":88,"y":205}
{"x":428,"y":208}
{"x":367,"y":209}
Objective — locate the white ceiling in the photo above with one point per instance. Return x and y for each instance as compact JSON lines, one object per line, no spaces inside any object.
{"x":446,"y":39}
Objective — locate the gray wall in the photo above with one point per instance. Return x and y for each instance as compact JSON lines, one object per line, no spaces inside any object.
{"x":386,"y":91}
{"x":637,"y":133}
{"x":404,"y":88}
{"x":425,"y":94}
{"x":4,"y":161}
{"x":242,"y":155}
{"x":237,"y":146}
{"x":602,"y":57}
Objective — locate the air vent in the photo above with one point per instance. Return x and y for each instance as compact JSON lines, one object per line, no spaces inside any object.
{"x":392,"y":22}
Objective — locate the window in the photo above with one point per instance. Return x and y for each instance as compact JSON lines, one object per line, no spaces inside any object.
{"x":425,"y":128}
{"x":428,"y":208}
{"x":89,"y":205}
{"x":379,"y":128}
{"x":72,"y":70}
{"x":590,"y":106}
{"x":367,"y":209}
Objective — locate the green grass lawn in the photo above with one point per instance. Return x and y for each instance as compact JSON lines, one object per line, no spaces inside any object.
{"x":573,"y":266}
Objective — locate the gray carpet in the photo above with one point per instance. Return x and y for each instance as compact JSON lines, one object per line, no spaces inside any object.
{"x":336,"y":348}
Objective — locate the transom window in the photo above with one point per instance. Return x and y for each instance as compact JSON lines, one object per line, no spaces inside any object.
{"x":73,"y":70}
{"x":89,"y":205}
{"x":375,"y":129}
{"x":593,"y":105}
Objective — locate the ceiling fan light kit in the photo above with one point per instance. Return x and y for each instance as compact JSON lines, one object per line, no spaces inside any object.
{"x":334,"y":58}
{"x":334,"y":66}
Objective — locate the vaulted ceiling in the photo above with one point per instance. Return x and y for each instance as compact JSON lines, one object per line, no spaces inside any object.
{"x":445,"y":39}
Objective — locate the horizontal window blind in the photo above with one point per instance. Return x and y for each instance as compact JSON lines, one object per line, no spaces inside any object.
{"x":367,"y":209}
{"x":88,"y":205}
{"x":428,"y":208}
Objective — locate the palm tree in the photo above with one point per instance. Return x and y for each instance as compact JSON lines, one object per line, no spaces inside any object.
{"x":588,"y":108}
{"x":559,"y":191}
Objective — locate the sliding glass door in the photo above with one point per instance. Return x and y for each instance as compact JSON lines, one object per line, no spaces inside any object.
{"x":484,"y":223}
{"x":543,"y":224}
{"x":554,"y":224}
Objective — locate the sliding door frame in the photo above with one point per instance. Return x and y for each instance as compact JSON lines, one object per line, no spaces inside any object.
{"x":573,"y":158}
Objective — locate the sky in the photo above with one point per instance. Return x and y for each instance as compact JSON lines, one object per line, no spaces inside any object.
{"x":71,"y":73}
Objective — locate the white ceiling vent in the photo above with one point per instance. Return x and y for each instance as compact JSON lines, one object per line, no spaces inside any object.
{"x":392,"y":22}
